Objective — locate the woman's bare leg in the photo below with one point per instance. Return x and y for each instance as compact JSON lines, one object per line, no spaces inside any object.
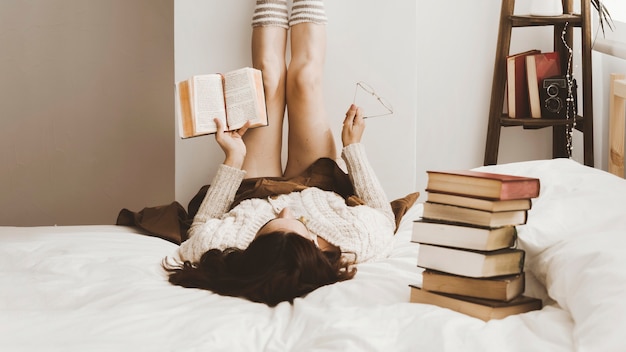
{"x":310,"y":135}
{"x":264,"y":145}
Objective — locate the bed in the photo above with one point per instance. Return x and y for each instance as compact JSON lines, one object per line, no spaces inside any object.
{"x":101,"y":288}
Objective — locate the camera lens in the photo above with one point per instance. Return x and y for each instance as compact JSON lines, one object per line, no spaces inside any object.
{"x":553,"y":105}
{"x":552,"y":90}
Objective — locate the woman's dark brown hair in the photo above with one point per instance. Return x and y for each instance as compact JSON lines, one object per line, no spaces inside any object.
{"x":278,"y":266}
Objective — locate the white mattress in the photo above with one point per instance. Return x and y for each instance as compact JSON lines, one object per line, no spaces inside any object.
{"x":101,"y":288}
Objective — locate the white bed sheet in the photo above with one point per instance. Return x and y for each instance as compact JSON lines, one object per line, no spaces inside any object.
{"x":101,"y":288}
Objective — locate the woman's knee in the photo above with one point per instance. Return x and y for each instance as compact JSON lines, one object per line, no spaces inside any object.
{"x":274,"y":73}
{"x":304,"y":79}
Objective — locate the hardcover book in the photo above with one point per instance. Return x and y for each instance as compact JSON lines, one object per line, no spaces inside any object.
{"x":479,"y":308}
{"x":234,"y":97}
{"x":469,"y":237}
{"x":500,"y":288}
{"x":538,"y":67}
{"x":461,"y":215}
{"x":464,"y":262}
{"x":517,"y":84}
{"x":482,"y":184}
{"x":478,"y":203}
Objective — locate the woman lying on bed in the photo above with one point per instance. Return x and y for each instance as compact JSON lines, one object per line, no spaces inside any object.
{"x":275,"y":235}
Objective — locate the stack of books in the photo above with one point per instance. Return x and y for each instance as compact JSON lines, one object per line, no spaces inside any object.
{"x":467,"y":236}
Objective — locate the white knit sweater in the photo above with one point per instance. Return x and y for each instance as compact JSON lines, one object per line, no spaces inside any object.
{"x":366,"y":230}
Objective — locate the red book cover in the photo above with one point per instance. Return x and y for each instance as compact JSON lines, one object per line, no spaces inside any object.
{"x":538,"y":67}
{"x":517,"y":84}
{"x":483,"y":184}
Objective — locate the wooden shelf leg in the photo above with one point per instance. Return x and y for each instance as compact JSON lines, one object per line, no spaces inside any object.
{"x":499,"y":83}
{"x":587,"y":84}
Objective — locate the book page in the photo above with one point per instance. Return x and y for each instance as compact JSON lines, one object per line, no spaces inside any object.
{"x":241,"y":97}
{"x":208,"y":102}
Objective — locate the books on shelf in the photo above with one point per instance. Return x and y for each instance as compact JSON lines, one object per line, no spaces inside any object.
{"x":517,"y":84}
{"x":469,"y":237}
{"x":479,"y":308}
{"x":538,"y":67}
{"x":234,"y":97}
{"x":478,"y":203}
{"x":472,"y":263}
{"x":500,"y":288}
{"x":482,"y":184}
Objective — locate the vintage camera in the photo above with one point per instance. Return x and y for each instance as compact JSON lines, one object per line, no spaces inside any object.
{"x":553,"y":96}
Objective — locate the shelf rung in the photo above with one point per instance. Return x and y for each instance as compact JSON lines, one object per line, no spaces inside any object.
{"x":529,"y":122}
{"x":527,"y":20}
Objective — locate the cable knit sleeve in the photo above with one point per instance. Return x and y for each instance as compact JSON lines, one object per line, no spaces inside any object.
{"x":219,"y":196}
{"x":366,"y":184}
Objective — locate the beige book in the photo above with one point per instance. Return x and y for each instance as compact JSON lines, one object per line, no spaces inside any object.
{"x":500,"y":288}
{"x":469,"y":237}
{"x":234,"y":97}
{"x":471,"y":263}
{"x":480,"y":204}
{"x":479,"y":308}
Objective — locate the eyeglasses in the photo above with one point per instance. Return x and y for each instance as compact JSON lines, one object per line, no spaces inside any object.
{"x":368,"y":89}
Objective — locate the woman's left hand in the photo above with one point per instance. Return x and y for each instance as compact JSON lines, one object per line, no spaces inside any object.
{"x":353,"y":126}
{"x":232,"y":144}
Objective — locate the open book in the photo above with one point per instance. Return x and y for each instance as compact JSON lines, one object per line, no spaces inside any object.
{"x":234,"y":97}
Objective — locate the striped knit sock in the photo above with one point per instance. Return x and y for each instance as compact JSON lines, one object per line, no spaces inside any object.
{"x":307,"y":11}
{"x":270,"y":13}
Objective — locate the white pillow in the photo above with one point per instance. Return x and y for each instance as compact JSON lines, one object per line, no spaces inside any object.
{"x":575,"y":241}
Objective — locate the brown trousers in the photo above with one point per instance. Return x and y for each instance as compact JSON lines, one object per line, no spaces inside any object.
{"x":171,"y":221}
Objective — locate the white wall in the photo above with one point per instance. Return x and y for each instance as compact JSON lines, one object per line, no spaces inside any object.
{"x":367,"y":40}
{"x":86,"y":109}
{"x":87,"y":121}
{"x":432,"y":60}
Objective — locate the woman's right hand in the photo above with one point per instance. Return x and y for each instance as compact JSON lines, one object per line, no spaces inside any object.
{"x":353,"y":126}
{"x":232,"y":144}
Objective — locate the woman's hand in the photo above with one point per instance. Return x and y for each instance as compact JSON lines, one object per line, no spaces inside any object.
{"x":232,"y":144}
{"x":353,"y":126}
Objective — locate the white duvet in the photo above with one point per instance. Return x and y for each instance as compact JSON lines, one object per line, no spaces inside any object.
{"x":101,"y":288}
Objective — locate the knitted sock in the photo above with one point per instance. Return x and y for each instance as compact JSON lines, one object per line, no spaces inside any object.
{"x":307,"y":11}
{"x":270,"y":13}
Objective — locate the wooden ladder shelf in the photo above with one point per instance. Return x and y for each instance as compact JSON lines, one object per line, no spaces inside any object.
{"x":584,"y":122}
